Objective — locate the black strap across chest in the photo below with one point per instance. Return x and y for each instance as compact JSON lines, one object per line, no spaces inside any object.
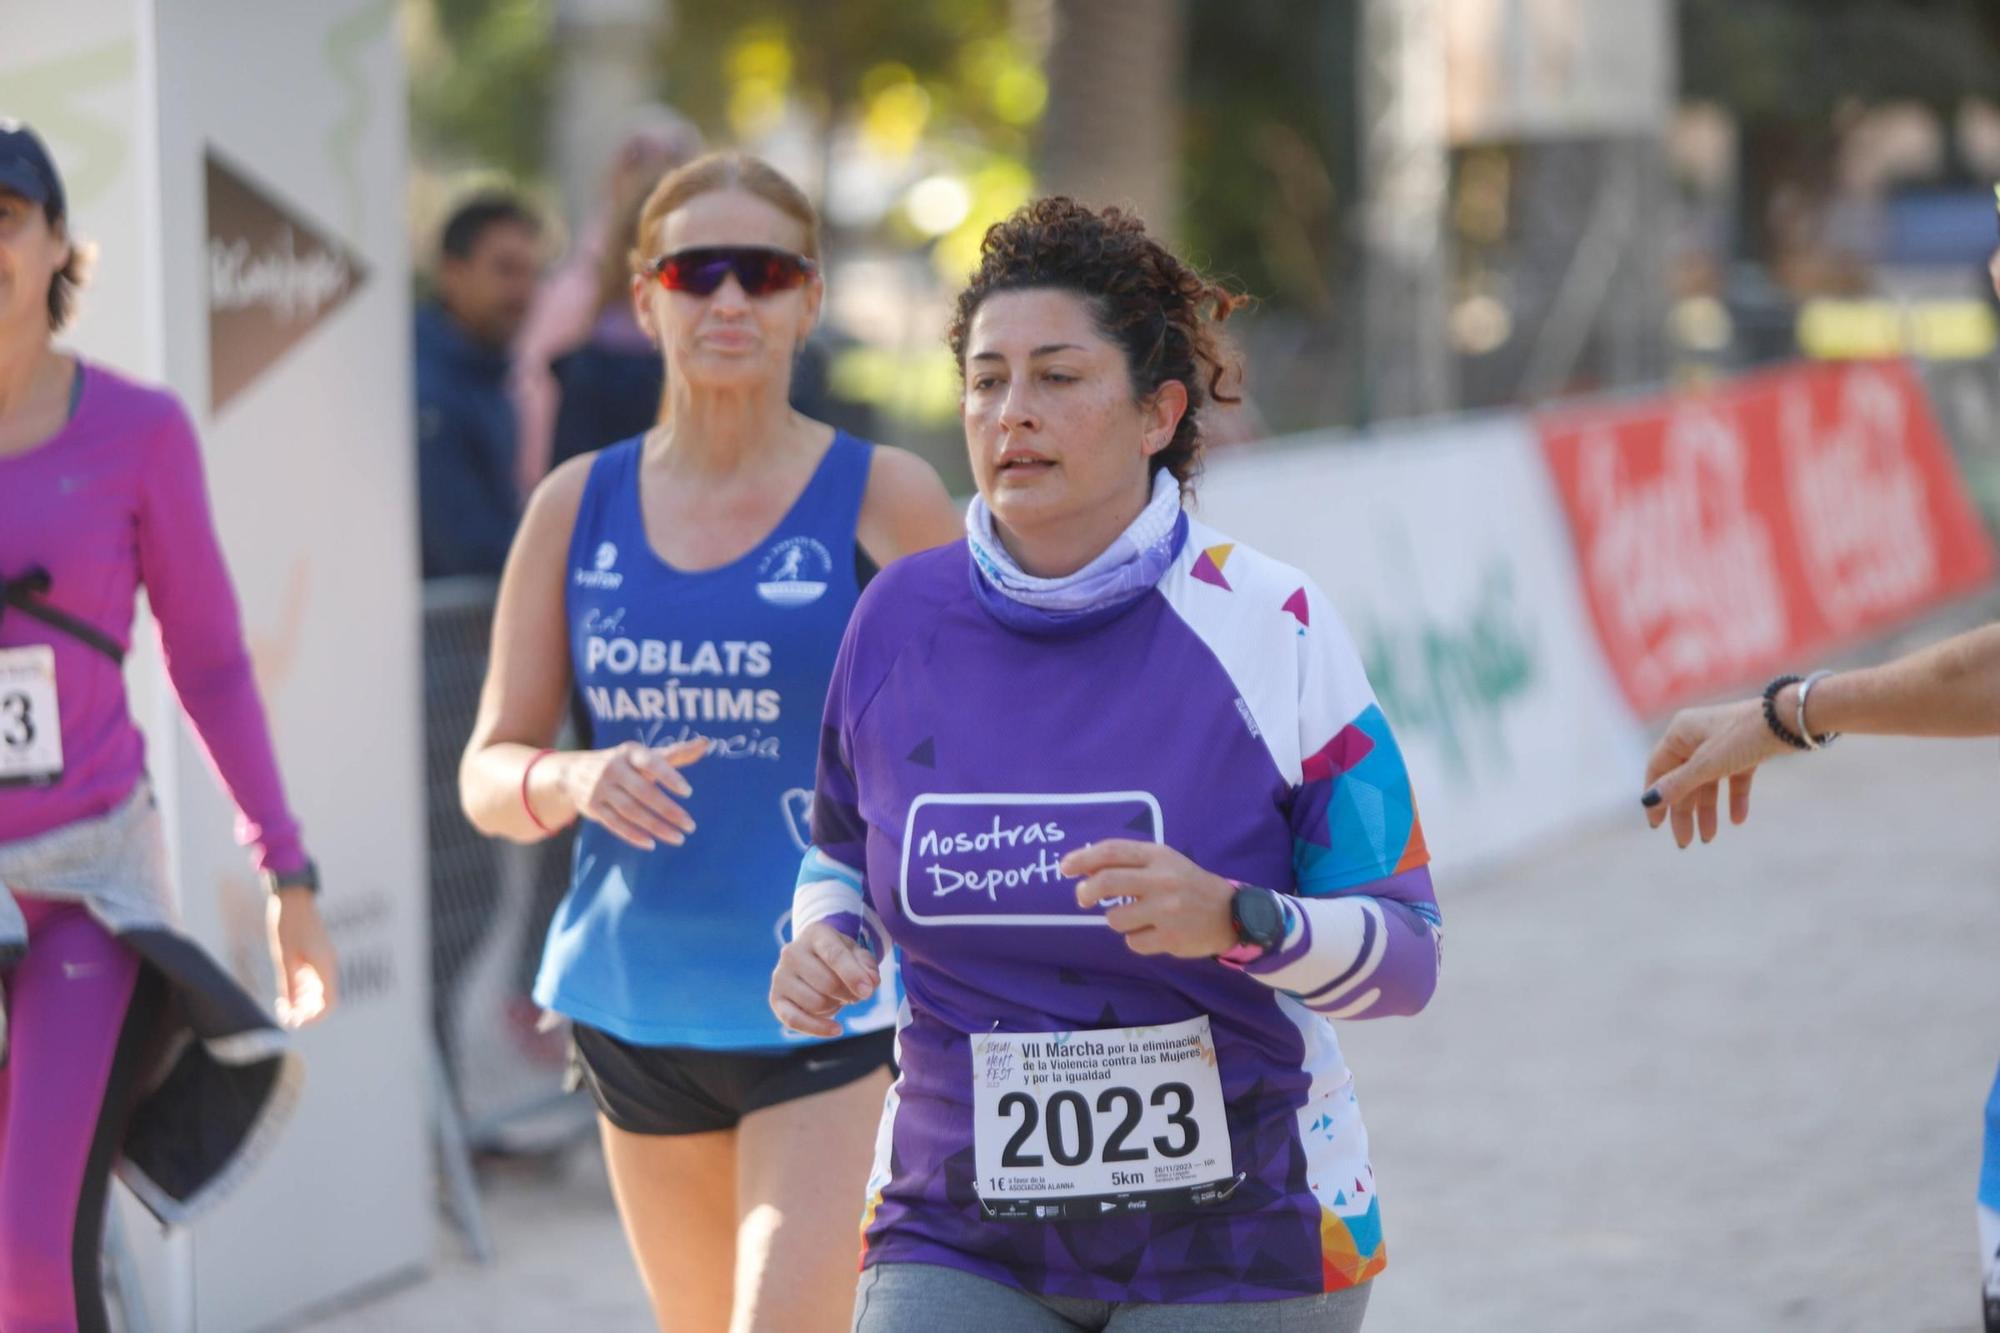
{"x":26,"y":594}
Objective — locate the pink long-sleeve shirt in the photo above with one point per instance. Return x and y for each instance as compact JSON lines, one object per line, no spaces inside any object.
{"x":116,"y":501}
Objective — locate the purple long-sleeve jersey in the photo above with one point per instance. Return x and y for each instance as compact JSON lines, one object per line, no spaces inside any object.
{"x":1074,"y":1118}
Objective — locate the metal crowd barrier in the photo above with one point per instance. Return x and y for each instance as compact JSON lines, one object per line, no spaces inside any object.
{"x":490,"y":904}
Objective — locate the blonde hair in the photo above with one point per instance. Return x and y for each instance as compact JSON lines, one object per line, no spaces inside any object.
{"x":714,"y":172}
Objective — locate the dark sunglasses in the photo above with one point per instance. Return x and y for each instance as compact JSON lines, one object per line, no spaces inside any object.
{"x":758,"y":271}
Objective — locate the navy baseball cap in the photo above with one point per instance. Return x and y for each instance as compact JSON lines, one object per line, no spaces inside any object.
{"x":27,"y":169}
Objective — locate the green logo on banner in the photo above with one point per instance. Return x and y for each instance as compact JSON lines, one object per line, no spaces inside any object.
{"x":1451,"y":681}
{"x":346,"y":43}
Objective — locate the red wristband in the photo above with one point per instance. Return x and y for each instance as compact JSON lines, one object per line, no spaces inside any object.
{"x":526,"y":804}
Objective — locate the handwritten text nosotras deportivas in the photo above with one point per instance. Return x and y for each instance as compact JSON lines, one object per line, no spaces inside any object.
{"x":989,"y":880}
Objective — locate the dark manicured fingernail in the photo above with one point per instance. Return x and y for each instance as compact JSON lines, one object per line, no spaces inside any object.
{"x":1651,"y":798}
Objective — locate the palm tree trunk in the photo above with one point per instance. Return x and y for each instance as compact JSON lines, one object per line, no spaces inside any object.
{"x":1111,"y":132}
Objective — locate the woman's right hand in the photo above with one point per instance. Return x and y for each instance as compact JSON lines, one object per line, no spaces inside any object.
{"x":818,"y":974}
{"x":622,"y":789}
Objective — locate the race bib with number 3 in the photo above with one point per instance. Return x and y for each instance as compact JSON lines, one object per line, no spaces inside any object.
{"x":1084,"y":1124}
{"x":30,"y":728}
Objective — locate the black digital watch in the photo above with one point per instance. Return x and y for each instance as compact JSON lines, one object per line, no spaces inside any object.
{"x":1258,"y":916}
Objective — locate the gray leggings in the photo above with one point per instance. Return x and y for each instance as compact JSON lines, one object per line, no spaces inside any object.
{"x":922,"y":1298}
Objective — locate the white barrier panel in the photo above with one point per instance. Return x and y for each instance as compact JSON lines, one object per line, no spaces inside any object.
{"x":1444,"y":550}
{"x":242,"y":168}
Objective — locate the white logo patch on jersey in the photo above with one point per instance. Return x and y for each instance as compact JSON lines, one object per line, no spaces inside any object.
{"x":794,"y":572}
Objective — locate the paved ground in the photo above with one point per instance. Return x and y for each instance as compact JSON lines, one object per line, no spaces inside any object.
{"x":1733,"y":1088}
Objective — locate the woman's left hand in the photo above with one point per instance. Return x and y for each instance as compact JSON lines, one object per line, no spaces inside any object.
{"x":308,"y":973}
{"x":1163,"y":902}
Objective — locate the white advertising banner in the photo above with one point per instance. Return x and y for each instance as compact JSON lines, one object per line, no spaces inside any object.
{"x":286,"y":290}
{"x":242,"y":169}
{"x":1443,"y":549}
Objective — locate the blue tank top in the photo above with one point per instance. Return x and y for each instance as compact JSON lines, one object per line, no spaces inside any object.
{"x":674,"y":947}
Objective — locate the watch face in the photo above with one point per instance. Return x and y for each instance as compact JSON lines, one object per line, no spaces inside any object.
{"x":1259,"y":919}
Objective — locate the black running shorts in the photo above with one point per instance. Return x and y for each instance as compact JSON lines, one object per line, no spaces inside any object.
{"x":687,"y":1090}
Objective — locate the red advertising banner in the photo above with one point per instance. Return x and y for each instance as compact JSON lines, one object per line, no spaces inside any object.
{"x":1727,"y":535}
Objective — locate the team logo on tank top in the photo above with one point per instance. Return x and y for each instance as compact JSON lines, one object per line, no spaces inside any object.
{"x":794,"y":572}
{"x":603,"y":576}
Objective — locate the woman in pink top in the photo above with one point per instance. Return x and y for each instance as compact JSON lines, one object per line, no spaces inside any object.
{"x":101,"y":493}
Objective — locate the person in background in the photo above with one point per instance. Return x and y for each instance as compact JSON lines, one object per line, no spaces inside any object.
{"x":488,"y":259}
{"x":607,"y":387}
{"x":571,"y":306}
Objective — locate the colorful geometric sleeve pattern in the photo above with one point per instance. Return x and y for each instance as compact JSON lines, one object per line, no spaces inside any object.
{"x":1354,"y":818}
{"x":831,"y":892}
{"x":1363,"y":929}
{"x":1370,"y":952}
{"x":1335,"y":1145}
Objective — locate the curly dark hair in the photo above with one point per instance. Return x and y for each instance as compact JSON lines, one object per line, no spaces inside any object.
{"x":1164,"y":314}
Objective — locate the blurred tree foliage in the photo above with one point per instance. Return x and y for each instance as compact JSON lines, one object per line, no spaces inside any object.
{"x":482,"y":82}
{"x":1268,"y":170}
{"x":1270,"y":151}
{"x":1791,"y":71}
{"x":952,"y":86}
{"x":1799,"y":60}
{"x":941,"y":65}
{"x":1268,"y":147}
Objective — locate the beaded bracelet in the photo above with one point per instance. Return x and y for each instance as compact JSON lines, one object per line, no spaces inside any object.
{"x":1779,"y":729}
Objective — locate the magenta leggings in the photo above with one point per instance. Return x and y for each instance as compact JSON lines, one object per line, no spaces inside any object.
{"x":74,"y":1039}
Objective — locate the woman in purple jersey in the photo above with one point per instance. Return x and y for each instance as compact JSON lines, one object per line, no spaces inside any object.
{"x":100,"y":494}
{"x":733,"y":1156}
{"x":1119,"y":793}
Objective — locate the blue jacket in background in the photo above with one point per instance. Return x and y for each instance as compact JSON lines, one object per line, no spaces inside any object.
{"x":467,"y":436}
{"x":609,"y":393}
